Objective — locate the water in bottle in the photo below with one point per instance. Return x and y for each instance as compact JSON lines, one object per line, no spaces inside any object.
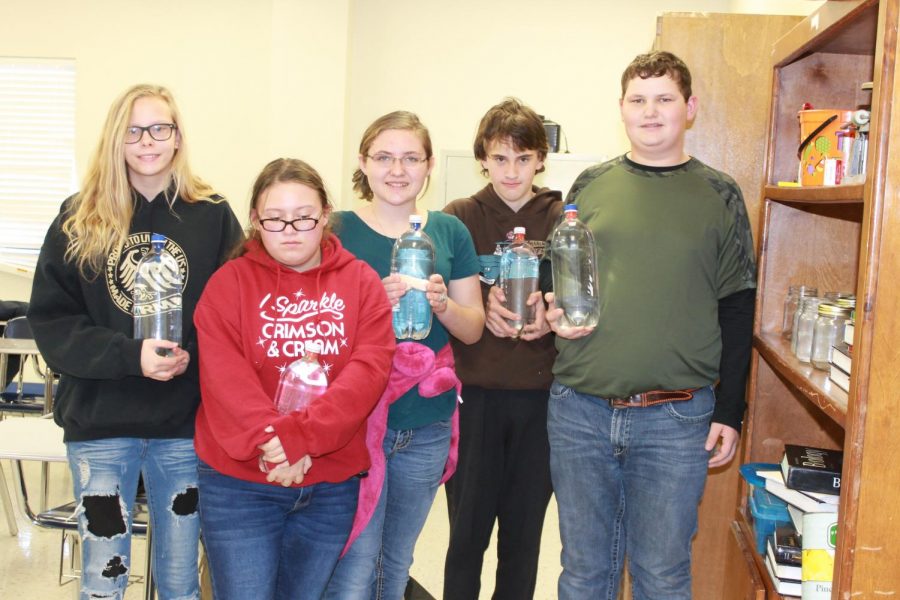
{"x":157,"y":295}
{"x":413,"y":259}
{"x":519,"y":279}
{"x":574,"y":262}
{"x":300,"y":383}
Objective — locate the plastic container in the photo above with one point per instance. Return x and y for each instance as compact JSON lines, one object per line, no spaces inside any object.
{"x":301,"y":382}
{"x":519,"y":279}
{"x":823,"y":144}
{"x":413,"y":257}
{"x":769,"y":512}
{"x":157,"y":295}
{"x":574,"y":269}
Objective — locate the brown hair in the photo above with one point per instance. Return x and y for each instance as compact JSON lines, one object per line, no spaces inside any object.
{"x":513,"y":121}
{"x":657,"y":64}
{"x":285,"y":170}
{"x":399,"y":119}
{"x":99,"y":216}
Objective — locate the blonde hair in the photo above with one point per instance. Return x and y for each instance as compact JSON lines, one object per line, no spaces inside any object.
{"x":399,"y":119}
{"x":99,"y":217}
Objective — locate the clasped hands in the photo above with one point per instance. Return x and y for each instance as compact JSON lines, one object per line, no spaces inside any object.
{"x":284,"y":473}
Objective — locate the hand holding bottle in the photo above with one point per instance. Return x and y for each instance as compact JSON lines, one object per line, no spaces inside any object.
{"x":173,"y":361}
{"x":497,"y":317}
{"x":436,"y":292}
{"x":558,"y":323}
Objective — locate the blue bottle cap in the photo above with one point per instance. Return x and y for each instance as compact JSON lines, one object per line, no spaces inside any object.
{"x":157,"y":238}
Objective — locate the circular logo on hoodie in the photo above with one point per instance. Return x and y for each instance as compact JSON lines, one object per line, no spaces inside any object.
{"x":122,"y":267}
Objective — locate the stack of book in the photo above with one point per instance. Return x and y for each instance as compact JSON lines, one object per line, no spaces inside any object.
{"x":809,"y":480}
{"x":842,"y":352}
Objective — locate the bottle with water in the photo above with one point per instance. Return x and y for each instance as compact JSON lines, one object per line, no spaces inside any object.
{"x":301,"y":382}
{"x":519,"y":279}
{"x":574,"y":264}
{"x":413,"y":259}
{"x":157,"y":295}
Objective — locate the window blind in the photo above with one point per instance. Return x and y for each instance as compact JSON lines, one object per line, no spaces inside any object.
{"x":37,"y":152}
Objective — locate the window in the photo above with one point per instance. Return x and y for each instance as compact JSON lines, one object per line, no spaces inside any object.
{"x":37,"y":152}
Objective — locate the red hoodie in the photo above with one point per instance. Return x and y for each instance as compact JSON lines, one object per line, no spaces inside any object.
{"x":255,"y":317}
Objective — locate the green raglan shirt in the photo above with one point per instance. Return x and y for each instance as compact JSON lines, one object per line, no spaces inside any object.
{"x":671,"y":242}
{"x":455,"y":258}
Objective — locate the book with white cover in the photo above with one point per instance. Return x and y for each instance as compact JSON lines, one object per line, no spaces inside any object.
{"x":805,"y":501}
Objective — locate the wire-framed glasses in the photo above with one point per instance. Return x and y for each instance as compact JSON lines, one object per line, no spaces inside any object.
{"x":386,"y":161}
{"x":158,"y":131}
{"x":276,"y":225}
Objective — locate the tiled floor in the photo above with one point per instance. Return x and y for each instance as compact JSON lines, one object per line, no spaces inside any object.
{"x":29,"y":561}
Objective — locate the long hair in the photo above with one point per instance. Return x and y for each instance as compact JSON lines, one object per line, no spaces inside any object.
{"x":98,"y":218}
{"x":285,"y":170}
{"x":399,"y":119}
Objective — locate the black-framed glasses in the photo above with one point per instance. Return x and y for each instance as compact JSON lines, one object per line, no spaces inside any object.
{"x":299,"y":224}
{"x":386,"y":161}
{"x":158,"y":131}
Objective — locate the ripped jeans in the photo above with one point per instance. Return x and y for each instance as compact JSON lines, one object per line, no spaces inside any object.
{"x":105,"y":477}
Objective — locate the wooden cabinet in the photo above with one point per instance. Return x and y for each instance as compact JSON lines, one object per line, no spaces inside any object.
{"x":836,"y":238}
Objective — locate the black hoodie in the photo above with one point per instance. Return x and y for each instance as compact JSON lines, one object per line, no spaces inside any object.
{"x":83,"y":326}
{"x":503,"y":363}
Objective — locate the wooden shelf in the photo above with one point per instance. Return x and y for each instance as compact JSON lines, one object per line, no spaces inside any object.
{"x":836,"y":27}
{"x":812,"y":383}
{"x":749,"y":538}
{"x":832,"y":194}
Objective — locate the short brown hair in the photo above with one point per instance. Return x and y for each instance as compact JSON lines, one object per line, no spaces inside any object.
{"x":399,"y":119}
{"x":513,"y":121}
{"x":285,"y":170}
{"x":657,"y":64}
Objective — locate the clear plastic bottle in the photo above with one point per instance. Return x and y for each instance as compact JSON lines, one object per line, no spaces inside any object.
{"x":301,"y":382}
{"x":827,"y":331}
{"x":157,"y":294}
{"x":801,"y":342}
{"x":413,"y":258}
{"x":519,"y":278}
{"x":574,"y":264}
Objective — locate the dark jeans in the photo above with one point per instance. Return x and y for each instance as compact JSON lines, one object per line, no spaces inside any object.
{"x":265,"y":541}
{"x":503,"y":475}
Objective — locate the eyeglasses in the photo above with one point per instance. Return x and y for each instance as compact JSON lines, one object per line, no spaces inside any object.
{"x":407,"y":161}
{"x":158,"y":131}
{"x":299,"y":224}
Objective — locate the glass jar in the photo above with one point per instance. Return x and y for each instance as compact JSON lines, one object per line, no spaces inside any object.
{"x":827,"y":331}
{"x":791,"y":304}
{"x":801,"y":342}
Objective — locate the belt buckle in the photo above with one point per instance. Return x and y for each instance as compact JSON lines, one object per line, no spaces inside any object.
{"x":628,"y":402}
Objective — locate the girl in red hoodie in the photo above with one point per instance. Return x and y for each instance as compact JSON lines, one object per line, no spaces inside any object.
{"x":294,"y":289}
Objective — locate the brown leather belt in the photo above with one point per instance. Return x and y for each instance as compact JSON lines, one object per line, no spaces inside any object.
{"x":652,"y":398}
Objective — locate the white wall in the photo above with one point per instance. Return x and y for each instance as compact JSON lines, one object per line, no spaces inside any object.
{"x":258,"y":79}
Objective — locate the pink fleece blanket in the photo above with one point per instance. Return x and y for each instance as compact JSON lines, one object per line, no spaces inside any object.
{"x":414,"y":364}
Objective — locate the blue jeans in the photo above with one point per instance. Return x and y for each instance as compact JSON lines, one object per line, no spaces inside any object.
{"x":627,"y":481}
{"x":377,"y":564}
{"x":105,"y":477}
{"x":265,"y":541}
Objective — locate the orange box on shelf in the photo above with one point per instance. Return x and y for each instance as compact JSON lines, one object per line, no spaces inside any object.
{"x":819,"y":141}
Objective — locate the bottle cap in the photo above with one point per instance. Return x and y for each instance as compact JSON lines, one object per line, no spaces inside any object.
{"x":415,"y":219}
{"x":518,"y":231}
{"x":569,"y":207}
{"x":157,"y":238}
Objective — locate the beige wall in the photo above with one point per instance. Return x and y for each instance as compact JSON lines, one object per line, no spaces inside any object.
{"x":257,"y":79}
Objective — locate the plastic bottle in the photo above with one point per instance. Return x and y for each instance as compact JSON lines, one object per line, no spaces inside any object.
{"x":574,"y":262}
{"x":301,"y":382}
{"x":157,"y":295}
{"x":519,"y":278}
{"x":413,"y":258}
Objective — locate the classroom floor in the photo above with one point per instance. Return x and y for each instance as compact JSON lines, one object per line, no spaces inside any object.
{"x":30,"y":561}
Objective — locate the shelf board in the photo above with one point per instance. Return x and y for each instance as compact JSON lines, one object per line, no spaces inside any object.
{"x":812,"y":383}
{"x":848,"y":27}
{"x":743,"y":522}
{"x":818,"y":194}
